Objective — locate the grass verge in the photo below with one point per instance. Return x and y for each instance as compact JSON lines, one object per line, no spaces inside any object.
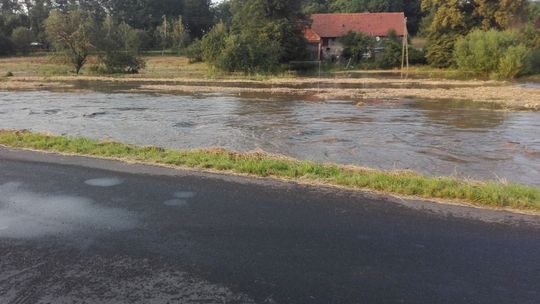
{"x":488,"y":193}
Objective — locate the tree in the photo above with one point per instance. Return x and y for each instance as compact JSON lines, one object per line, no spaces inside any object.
{"x":164,"y":34}
{"x":119,"y":48}
{"x":222,"y":13}
{"x":315,"y":7}
{"x":6,"y":46}
{"x":496,"y":14}
{"x":353,"y":6}
{"x":38,"y":12}
{"x":280,"y":21}
{"x":73,"y":35}
{"x":179,"y":34}
{"x":452,"y":19}
{"x":22,"y":37}
{"x":197,"y":16}
{"x":143,"y":14}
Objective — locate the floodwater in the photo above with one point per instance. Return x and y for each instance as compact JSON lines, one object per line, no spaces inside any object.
{"x":434,"y":137}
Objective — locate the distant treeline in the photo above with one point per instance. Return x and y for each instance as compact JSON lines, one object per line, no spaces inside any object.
{"x":262,"y":35}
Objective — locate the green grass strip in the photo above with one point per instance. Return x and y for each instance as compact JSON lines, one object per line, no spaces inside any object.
{"x":486,"y":193}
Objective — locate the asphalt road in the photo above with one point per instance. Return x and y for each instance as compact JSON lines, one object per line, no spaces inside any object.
{"x":76,"y":230}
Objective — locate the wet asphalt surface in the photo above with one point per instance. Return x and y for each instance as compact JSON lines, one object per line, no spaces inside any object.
{"x":76,"y":230}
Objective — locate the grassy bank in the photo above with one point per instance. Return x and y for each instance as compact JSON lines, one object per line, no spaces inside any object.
{"x":492,"y":194}
{"x":178,"y":67}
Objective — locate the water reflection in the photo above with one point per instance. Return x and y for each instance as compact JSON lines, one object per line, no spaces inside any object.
{"x":434,"y":137}
{"x":462,"y":114}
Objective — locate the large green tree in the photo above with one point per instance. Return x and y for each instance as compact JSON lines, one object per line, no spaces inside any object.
{"x":280,"y":21}
{"x":451,"y":19}
{"x":73,"y":35}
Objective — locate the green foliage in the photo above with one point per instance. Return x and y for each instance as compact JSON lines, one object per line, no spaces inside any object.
{"x":148,"y":14}
{"x":249,"y":54}
{"x":194,"y":52}
{"x":530,"y":35}
{"x":119,"y":46}
{"x":6,"y":46}
{"x":73,"y":35}
{"x":390,"y":56}
{"x":281,"y":21}
{"x":172,"y":33}
{"x":492,"y":53}
{"x":356,"y":45}
{"x":532,"y":64}
{"x":417,"y":56}
{"x":440,"y":50}
{"x":163,"y":33}
{"x":222,"y":13}
{"x":180,"y":37}
{"x":213,"y":44}
{"x":513,"y":62}
{"x":21,"y":38}
{"x":451,"y":19}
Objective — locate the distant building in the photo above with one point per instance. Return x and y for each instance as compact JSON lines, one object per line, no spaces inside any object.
{"x":327,"y":28}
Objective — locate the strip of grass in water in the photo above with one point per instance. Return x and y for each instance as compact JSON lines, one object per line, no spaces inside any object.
{"x":489,"y":193}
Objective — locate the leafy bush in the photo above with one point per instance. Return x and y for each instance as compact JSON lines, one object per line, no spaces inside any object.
{"x":417,"y":56}
{"x":120,"y":48}
{"x":492,"y":53}
{"x":532,"y":65}
{"x":513,"y":62}
{"x":440,"y":50}
{"x":22,"y":37}
{"x":213,"y":44}
{"x":390,"y":56}
{"x":249,"y":54}
{"x":120,"y":62}
{"x":194,"y":52}
{"x":6,"y":46}
{"x":356,"y":45}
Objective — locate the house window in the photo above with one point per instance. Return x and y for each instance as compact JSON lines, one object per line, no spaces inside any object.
{"x":325,"y":41}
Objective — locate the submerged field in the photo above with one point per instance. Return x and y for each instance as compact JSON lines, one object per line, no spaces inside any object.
{"x":489,"y":193}
{"x":176,"y":75}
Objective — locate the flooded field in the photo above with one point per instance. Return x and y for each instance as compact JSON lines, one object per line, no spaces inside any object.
{"x":434,"y":137}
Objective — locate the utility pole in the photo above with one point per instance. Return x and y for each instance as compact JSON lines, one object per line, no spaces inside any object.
{"x":405,"y":51}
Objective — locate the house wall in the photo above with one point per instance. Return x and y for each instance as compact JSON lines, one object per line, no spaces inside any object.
{"x":331,"y":49}
{"x":313,"y":51}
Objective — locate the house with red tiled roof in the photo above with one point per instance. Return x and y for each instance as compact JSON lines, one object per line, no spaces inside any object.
{"x":325,"y":30}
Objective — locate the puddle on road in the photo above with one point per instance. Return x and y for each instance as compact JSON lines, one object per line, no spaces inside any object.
{"x":104,"y":182}
{"x":176,"y":203}
{"x":27,"y":214}
{"x":181,"y":199}
{"x":184,"y":194}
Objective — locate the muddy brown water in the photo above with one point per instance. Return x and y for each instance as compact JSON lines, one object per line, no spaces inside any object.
{"x":433,"y":137}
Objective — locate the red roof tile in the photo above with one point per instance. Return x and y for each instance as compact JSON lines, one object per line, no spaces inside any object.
{"x":311,"y":36}
{"x":375,"y":24}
